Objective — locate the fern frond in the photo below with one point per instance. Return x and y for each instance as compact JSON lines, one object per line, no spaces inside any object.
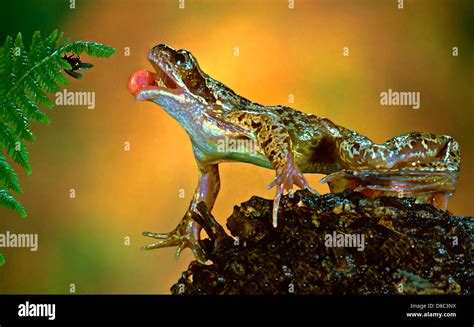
{"x":11,"y":203}
{"x":15,"y":146}
{"x":8,"y":177}
{"x":19,"y":121}
{"x":31,"y":110}
{"x":27,"y":76}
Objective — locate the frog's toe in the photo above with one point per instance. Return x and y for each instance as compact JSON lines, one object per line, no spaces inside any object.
{"x":165,"y":240}
{"x":185,"y":235}
{"x":290,"y":175}
{"x":156,"y":235}
{"x":285,"y":179}
{"x":334,"y":176}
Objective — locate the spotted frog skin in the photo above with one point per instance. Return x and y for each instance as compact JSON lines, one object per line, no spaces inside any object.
{"x":291,"y":142}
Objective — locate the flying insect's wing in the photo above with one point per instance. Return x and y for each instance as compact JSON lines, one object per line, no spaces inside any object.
{"x":85,"y":66}
{"x":73,"y":74}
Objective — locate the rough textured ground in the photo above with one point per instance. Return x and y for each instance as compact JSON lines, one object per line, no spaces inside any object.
{"x":409,"y":249}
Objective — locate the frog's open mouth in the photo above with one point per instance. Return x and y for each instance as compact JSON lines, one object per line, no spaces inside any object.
{"x":146,"y":85}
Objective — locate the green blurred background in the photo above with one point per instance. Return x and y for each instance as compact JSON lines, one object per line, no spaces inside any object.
{"x":283,"y":51}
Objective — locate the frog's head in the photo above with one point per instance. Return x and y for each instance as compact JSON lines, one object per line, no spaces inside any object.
{"x":177,"y":81}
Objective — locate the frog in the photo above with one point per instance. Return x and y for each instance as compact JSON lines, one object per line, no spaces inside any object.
{"x":290,"y":142}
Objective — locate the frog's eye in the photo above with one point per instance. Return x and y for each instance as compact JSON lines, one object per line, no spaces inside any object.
{"x":180,"y":58}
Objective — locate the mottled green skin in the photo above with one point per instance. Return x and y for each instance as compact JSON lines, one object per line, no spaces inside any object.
{"x":290,"y":142}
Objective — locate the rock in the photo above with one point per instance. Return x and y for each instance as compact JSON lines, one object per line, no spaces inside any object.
{"x":407,"y":248}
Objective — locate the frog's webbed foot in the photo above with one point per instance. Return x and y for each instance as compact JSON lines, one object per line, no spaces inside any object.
{"x":424,"y":183}
{"x":285,"y":179}
{"x":185,"y":235}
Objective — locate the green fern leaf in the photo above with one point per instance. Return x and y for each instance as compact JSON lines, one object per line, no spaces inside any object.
{"x":8,"y":177}
{"x":55,"y":73}
{"x":31,"y":110}
{"x":27,"y":76}
{"x":18,"y":121}
{"x":15,"y":146}
{"x":11,"y":203}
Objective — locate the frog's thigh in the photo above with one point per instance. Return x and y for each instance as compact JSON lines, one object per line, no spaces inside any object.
{"x":408,"y":150}
{"x":420,"y":165}
{"x":423,"y":149}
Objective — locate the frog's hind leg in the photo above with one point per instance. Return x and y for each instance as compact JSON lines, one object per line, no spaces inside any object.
{"x":420,"y":165}
{"x":425,"y":184}
{"x":424,"y":150}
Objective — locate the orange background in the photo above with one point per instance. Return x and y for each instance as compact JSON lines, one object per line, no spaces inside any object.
{"x":282,"y":52}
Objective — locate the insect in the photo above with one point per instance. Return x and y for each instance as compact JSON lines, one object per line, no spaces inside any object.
{"x":76,"y":64}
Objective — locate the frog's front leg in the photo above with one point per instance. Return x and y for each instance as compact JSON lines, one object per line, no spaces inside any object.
{"x":187,"y":233}
{"x":274,"y":141}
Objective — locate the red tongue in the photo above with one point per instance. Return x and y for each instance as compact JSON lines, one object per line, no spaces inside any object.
{"x":141,"y":79}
